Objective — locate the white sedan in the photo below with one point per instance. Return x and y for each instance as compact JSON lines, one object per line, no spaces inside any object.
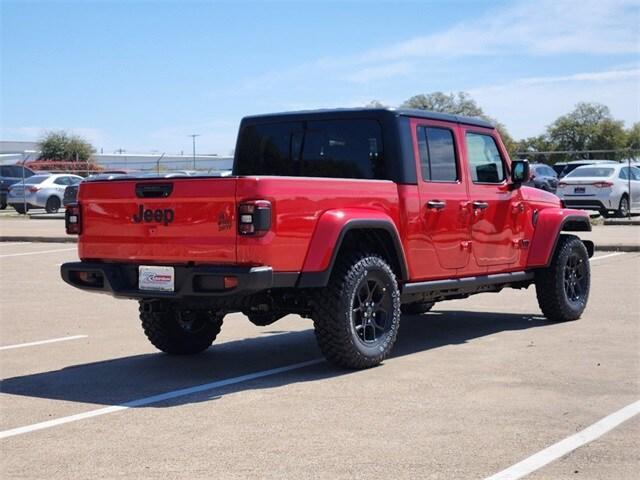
{"x":40,"y":191}
{"x":612,"y":189}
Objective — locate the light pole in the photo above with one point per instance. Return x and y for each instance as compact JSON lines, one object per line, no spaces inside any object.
{"x":193,"y":137}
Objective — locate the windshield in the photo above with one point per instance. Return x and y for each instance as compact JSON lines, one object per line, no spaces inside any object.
{"x":591,"y":172}
{"x":36,"y":179}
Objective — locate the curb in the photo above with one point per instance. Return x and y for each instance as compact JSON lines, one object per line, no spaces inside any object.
{"x":617,"y":248}
{"x":621,"y":222}
{"x":9,"y":238}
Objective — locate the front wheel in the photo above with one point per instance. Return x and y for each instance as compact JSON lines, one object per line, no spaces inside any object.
{"x":357,"y":316}
{"x":20,"y":208}
{"x":177,"y":330}
{"x":563,"y":287}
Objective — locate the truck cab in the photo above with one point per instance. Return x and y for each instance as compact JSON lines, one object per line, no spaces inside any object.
{"x":349,"y":217}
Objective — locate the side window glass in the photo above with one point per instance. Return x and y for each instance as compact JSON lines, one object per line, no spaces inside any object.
{"x":635,"y":173}
{"x":624,"y":173}
{"x":484,"y":158}
{"x":61,"y":181}
{"x":437,"y":154}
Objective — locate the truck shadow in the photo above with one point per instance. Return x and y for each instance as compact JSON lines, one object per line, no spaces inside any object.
{"x":113,"y":382}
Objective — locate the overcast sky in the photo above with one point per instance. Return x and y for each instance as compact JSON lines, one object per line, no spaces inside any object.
{"x":143,"y":75}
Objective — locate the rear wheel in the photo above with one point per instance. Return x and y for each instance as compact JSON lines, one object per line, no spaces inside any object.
{"x":357,"y":316}
{"x":563,"y":287}
{"x":3,"y":205}
{"x":178,"y":330}
{"x":52,"y":205}
{"x":20,"y":208}
{"x":623,"y":207}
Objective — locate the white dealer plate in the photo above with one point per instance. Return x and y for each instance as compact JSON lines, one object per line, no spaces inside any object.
{"x":156,"y":278}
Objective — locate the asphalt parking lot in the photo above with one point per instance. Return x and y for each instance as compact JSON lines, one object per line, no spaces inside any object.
{"x":474,"y":387}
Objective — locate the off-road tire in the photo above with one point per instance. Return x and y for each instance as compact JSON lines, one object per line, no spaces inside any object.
{"x":623,"y":207}
{"x":53,"y":204}
{"x":20,"y":209}
{"x":165,"y":331}
{"x":551,"y":282}
{"x":417,"y":308}
{"x":334,"y":317}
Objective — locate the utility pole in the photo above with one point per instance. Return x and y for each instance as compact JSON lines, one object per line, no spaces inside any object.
{"x":193,"y":137}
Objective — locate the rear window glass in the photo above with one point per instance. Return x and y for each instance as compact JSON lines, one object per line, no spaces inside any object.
{"x":327,"y":148}
{"x":36,"y":179}
{"x":591,"y":172}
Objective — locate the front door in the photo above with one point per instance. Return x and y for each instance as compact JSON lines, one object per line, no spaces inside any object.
{"x":498,"y":213}
{"x":443,"y":196}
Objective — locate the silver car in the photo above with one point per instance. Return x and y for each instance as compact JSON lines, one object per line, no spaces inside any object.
{"x":612,"y":189}
{"x":40,"y":191}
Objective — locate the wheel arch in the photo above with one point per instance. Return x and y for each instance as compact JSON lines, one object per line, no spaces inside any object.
{"x":338,"y":231}
{"x":549,"y":226}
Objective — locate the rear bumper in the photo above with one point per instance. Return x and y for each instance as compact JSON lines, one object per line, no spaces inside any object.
{"x":121,"y":280}
{"x":584,"y":203}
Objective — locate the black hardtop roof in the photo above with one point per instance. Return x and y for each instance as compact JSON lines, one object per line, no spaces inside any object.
{"x":362,"y":112}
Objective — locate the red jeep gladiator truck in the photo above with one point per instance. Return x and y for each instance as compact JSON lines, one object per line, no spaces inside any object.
{"x":349,"y":217}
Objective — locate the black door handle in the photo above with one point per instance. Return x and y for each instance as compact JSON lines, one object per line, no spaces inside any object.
{"x":436,"y":204}
{"x":480,"y":205}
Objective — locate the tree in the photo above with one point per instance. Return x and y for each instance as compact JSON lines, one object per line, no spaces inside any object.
{"x":540,"y":143}
{"x":375,"y":104}
{"x":456,"y":104}
{"x":589,"y":126}
{"x":460,"y":103}
{"x":59,"y":146}
{"x":633,"y":139}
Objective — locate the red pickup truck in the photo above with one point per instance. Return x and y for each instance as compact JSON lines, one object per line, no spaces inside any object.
{"x":349,"y":217}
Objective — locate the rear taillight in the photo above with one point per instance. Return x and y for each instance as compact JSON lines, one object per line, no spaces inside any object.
{"x":73,"y":220}
{"x":561,"y":184}
{"x":603,"y":184}
{"x":254,"y":217}
{"x":32,"y":189}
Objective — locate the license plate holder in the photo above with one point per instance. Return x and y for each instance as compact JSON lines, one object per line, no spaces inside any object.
{"x":156,"y":278}
{"x":579,"y":190}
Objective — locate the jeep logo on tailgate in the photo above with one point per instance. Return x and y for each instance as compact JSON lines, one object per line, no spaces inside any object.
{"x":164,"y":216}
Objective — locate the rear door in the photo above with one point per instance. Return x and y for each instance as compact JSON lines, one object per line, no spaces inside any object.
{"x":498,"y":213}
{"x":443,"y":197}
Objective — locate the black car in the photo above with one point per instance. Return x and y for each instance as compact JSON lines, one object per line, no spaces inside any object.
{"x":10,"y":174}
{"x":71,"y":192}
{"x":543,"y":177}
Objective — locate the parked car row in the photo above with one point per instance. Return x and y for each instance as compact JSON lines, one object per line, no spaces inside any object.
{"x":612,"y":189}
{"x":41,"y":191}
{"x":9,"y":175}
{"x":609,"y":187}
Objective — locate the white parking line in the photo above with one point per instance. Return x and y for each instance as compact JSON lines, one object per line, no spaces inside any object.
{"x":156,"y":399}
{"x":600,"y":257}
{"x":36,"y":253}
{"x":557,"y":450}
{"x":42,"y":342}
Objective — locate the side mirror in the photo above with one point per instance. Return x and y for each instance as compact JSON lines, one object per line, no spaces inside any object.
{"x":519,"y":172}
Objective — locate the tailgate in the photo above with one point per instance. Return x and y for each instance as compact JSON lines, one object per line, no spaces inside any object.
{"x":159,"y":221}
